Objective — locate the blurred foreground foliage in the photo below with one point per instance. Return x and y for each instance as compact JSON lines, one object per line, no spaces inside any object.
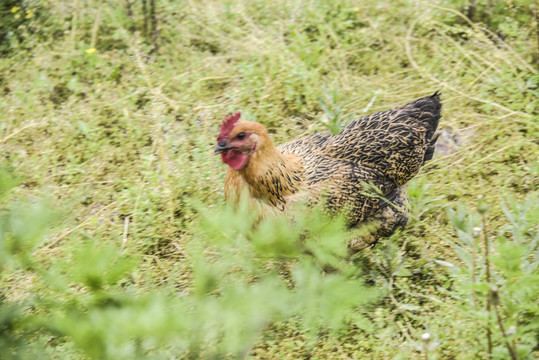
{"x":239,"y":288}
{"x":246,"y":278}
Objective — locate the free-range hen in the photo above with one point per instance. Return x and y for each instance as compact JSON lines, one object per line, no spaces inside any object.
{"x":381,"y":151}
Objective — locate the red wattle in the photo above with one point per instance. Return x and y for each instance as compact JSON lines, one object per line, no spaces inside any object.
{"x":234,"y":159}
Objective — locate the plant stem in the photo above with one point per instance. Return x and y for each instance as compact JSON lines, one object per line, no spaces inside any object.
{"x":471,"y":10}
{"x":487,"y":268}
{"x":130,"y":16}
{"x":510,"y":348}
{"x":145,"y":19}
{"x":426,"y":341}
{"x":489,"y":333}
{"x":536,"y":11}
{"x":474,"y":265}
{"x":74,"y":22}
{"x":95,"y":27}
{"x":487,"y":246}
{"x":153,"y":27}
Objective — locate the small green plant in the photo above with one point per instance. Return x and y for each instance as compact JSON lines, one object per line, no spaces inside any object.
{"x":334,"y":117}
{"x":499,"y":275}
{"x":23,"y":226}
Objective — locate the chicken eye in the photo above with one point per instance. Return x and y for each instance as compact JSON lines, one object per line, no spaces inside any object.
{"x":241,"y":136}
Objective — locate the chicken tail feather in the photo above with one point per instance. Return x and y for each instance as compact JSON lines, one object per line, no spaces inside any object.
{"x":431,"y":107}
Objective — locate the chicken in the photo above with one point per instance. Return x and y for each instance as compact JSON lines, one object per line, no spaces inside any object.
{"x":383,"y":151}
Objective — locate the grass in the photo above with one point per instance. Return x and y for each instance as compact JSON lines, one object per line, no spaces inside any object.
{"x":116,"y":130}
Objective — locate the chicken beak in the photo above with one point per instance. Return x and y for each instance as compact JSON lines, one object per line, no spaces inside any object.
{"x":222,"y":147}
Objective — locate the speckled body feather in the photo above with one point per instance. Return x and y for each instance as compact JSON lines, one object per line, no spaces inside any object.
{"x":385,"y":149}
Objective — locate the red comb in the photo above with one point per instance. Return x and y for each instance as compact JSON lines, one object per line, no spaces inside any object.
{"x":228,"y":124}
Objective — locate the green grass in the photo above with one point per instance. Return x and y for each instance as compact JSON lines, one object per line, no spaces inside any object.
{"x":115,"y":147}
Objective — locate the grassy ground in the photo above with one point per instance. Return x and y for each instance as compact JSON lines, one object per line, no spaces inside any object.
{"x":115,"y":126}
